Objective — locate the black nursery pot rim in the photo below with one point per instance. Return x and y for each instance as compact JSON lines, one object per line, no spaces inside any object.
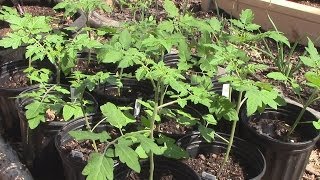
{"x":239,"y":146}
{"x":70,"y":126}
{"x":283,"y":109}
{"x":13,"y":67}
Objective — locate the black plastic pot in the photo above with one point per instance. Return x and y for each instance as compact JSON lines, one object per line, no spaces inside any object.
{"x":10,"y":166}
{"x":162,"y":167}
{"x":248,"y":155}
{"x":8,"y":113}
{"x":38,"y":144}
{"x":72,"y":163}
{"x":285,"y":160}
{"x":130,"y":91}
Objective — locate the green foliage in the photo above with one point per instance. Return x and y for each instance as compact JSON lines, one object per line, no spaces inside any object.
{"x":99,"y":167}
{"x":25,"y":29}
{"x":114,"y":115}
{"x":316,"y":124}
{"x":51,"y":103}
{"x":71,"y":7}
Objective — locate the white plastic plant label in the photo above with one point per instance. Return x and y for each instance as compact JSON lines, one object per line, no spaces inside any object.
{"x":207,"y":176}
{"x":226,"y":90}
{"x":137,"y":108}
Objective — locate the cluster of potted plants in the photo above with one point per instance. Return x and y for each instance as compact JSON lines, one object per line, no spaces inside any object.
{"x":148,"y":100}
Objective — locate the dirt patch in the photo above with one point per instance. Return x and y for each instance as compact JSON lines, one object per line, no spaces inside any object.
{"x":162,"y":175}
{"x":211,"y":163}
{"x":16,"y":80}
{"x":275,"y":129}
{"x":172,"y":127}
{"x":313,"y":3}
{"x":313,"y":167}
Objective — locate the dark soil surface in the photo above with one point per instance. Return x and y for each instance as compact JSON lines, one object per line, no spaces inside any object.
{"x":210,"y":163}
{"x":16,"y":80}
{"x":91,"y":67}
{"x":163,"y":175}
{"x":82,"y":150}
{"x":173,"y":127}
{"x":313,"y":3}
{"x":274,"y":128}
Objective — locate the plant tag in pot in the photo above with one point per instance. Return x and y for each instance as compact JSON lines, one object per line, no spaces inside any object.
{"x":137,"y":108}
{"x":226,"y":90}
{"x":208,"y":176}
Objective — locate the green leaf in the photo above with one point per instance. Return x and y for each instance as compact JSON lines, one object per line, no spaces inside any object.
{"x":246,"y":16}
{"x":210,"y":119}
{"x":313,"y":78}
{"x":125,"y":39}
{"x":33,"y":109}
{"x":114,"y":115}
{"x":67,"y":112}
{"x":172,"y":150}
{"x":171,"y":8}
{"x":206,"y":133}
{"x":148,"y":145}
{"x":278,"y":37}
{"x":99,"y":167}
{"x":112,"y":56}
{"x":128,"y":156}
{"x":316,"y":124}
{"x":253,"y":102}
{"x":308,"y":61}
{"x":215,"y":24}
{"x":277,"y":76}
{"x":141,"y":152}
{"x":34,"y":122}
{"x":182,"y":102}
{"x":88,"y":135}
{"x":141,"y":73}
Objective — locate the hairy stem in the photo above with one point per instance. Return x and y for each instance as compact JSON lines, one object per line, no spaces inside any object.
{"x":233,"y":130}
{"x":94,"y":145}
{"x":152,"y":124}
{"x":309,"y":101}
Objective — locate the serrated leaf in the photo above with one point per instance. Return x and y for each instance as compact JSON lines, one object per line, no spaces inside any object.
{"x":210,"y":119}
{"x":171,"y":8}
{"x":99,"y":167}
{"x":206,"y":133}
{"x":277,"y":76}
{"x":278,"y":37}
{"x":172,"y":150}
{"x":313,"y":78}
{"x":128,"y":156}
{"x":141,"y":152}
{"x":141,"y":73}
{"x":88,"y":135}
{"x":316,"y":124}
{"x":148,"y":145}
{"x":253,"y":101}
{"x":125,"y":39}
{"x":112,"y":56}
{"x":114,"y":115}
{"x":67,"y":112}
{"x":308,"y":61}
{"x":34,"y":122}
{"x":182,"y":102}
{"x":246,"y":16}
{"x":215,"y":24}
